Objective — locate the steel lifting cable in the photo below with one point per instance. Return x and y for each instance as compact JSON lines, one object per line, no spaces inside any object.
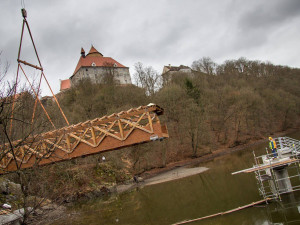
{"x":23,"y":4}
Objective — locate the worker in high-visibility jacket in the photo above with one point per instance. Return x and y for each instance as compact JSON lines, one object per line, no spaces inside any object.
{"x":272,"y":145}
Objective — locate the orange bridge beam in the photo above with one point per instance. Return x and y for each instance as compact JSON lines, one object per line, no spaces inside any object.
{"x":126,"y":128}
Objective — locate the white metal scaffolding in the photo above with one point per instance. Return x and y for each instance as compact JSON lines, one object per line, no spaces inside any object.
{"x":277,"y":172}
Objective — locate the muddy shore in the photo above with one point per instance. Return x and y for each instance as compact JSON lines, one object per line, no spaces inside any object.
{"x":170,"y":175}
{"x":177,"y":170}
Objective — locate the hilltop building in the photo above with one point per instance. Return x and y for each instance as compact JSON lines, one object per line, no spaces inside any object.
{"x":97,"y":68}
{"x":170,"y":71}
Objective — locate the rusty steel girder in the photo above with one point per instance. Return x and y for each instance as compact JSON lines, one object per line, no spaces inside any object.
{"x":126,"y":128}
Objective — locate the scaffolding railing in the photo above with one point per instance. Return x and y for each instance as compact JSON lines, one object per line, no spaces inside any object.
{"x":286,"y":157}
{"x":267,"y":188}
{"x":287,"y":144}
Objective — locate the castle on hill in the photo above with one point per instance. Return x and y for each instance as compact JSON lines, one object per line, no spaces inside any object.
{"x":97,"y":68}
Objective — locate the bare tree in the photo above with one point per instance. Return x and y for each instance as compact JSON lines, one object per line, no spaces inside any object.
{"x":32,"y":192}
{"x":3,"y":70}
{"x":205,"y":65}
{"x":147,"y":78}
{"x":23,"y":132}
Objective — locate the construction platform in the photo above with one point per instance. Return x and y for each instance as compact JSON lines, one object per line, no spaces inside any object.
{"x":277,"y":173}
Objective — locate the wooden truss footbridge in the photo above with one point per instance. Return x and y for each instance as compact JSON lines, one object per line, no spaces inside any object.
{"x":119,"y":130}
{"x":126,"y":128}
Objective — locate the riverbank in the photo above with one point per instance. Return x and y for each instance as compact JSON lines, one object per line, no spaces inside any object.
{"x":217,"y":153}
{"x":174,"y":174}
{"x":171,"y":172}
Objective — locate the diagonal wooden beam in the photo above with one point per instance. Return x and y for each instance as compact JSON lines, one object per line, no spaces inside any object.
{"x":82,"y":140}
{"x":133,"y":125}
{"x":104,"y":135}
{"x":121,"y":129}
{"x":90,"y":137}
{"x":93,"y":135}
{"x":56,"y":145}
{"x":108,"y":133}
{"x":136,"y":125}
{"x":150,"y":122}
{"x":33,"y":151}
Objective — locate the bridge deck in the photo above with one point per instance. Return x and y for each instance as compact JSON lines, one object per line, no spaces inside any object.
{"x":271,"y":164}
{"x":126,"y":128}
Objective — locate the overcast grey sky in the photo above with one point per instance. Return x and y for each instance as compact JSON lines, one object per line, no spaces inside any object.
{"x":156,"y":32}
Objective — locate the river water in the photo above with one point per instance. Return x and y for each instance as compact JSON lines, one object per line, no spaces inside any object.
{"x":212,"y":191}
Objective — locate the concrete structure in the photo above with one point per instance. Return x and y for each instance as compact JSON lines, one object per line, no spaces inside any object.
{"x":98,"y":69}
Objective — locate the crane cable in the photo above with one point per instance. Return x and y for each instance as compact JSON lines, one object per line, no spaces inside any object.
{"x":23,"y":4}
{"x":24,"y":14}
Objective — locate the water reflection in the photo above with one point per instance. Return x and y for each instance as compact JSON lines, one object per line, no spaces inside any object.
{"x":286,"y":211}
{"x":213,"y":191}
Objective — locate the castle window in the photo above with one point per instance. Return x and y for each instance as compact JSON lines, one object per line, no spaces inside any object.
{"x":93,"y":64}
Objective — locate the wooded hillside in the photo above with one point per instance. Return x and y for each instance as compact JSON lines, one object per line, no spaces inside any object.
{"x":216,"y":105}
{"x":212,"y":107}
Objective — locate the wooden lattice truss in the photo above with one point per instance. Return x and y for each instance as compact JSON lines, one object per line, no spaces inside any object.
{"x":112,"y":132}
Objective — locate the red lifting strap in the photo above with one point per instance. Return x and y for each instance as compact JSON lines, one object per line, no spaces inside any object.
{"x":39,"y":67}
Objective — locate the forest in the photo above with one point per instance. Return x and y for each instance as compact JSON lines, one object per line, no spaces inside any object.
{"x":212,"y":107}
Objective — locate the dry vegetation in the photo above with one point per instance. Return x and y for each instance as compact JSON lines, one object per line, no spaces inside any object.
{"x":214,"y":106}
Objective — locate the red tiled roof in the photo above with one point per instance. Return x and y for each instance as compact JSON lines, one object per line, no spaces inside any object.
{"x":98,"y":59}
{"x":65,"y":84}
{"x":94,"y":52}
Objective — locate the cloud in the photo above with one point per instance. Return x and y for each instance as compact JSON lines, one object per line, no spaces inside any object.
{"x":258,"y":22}
{"x":155,"y":33}
{"x":269,"y":15}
